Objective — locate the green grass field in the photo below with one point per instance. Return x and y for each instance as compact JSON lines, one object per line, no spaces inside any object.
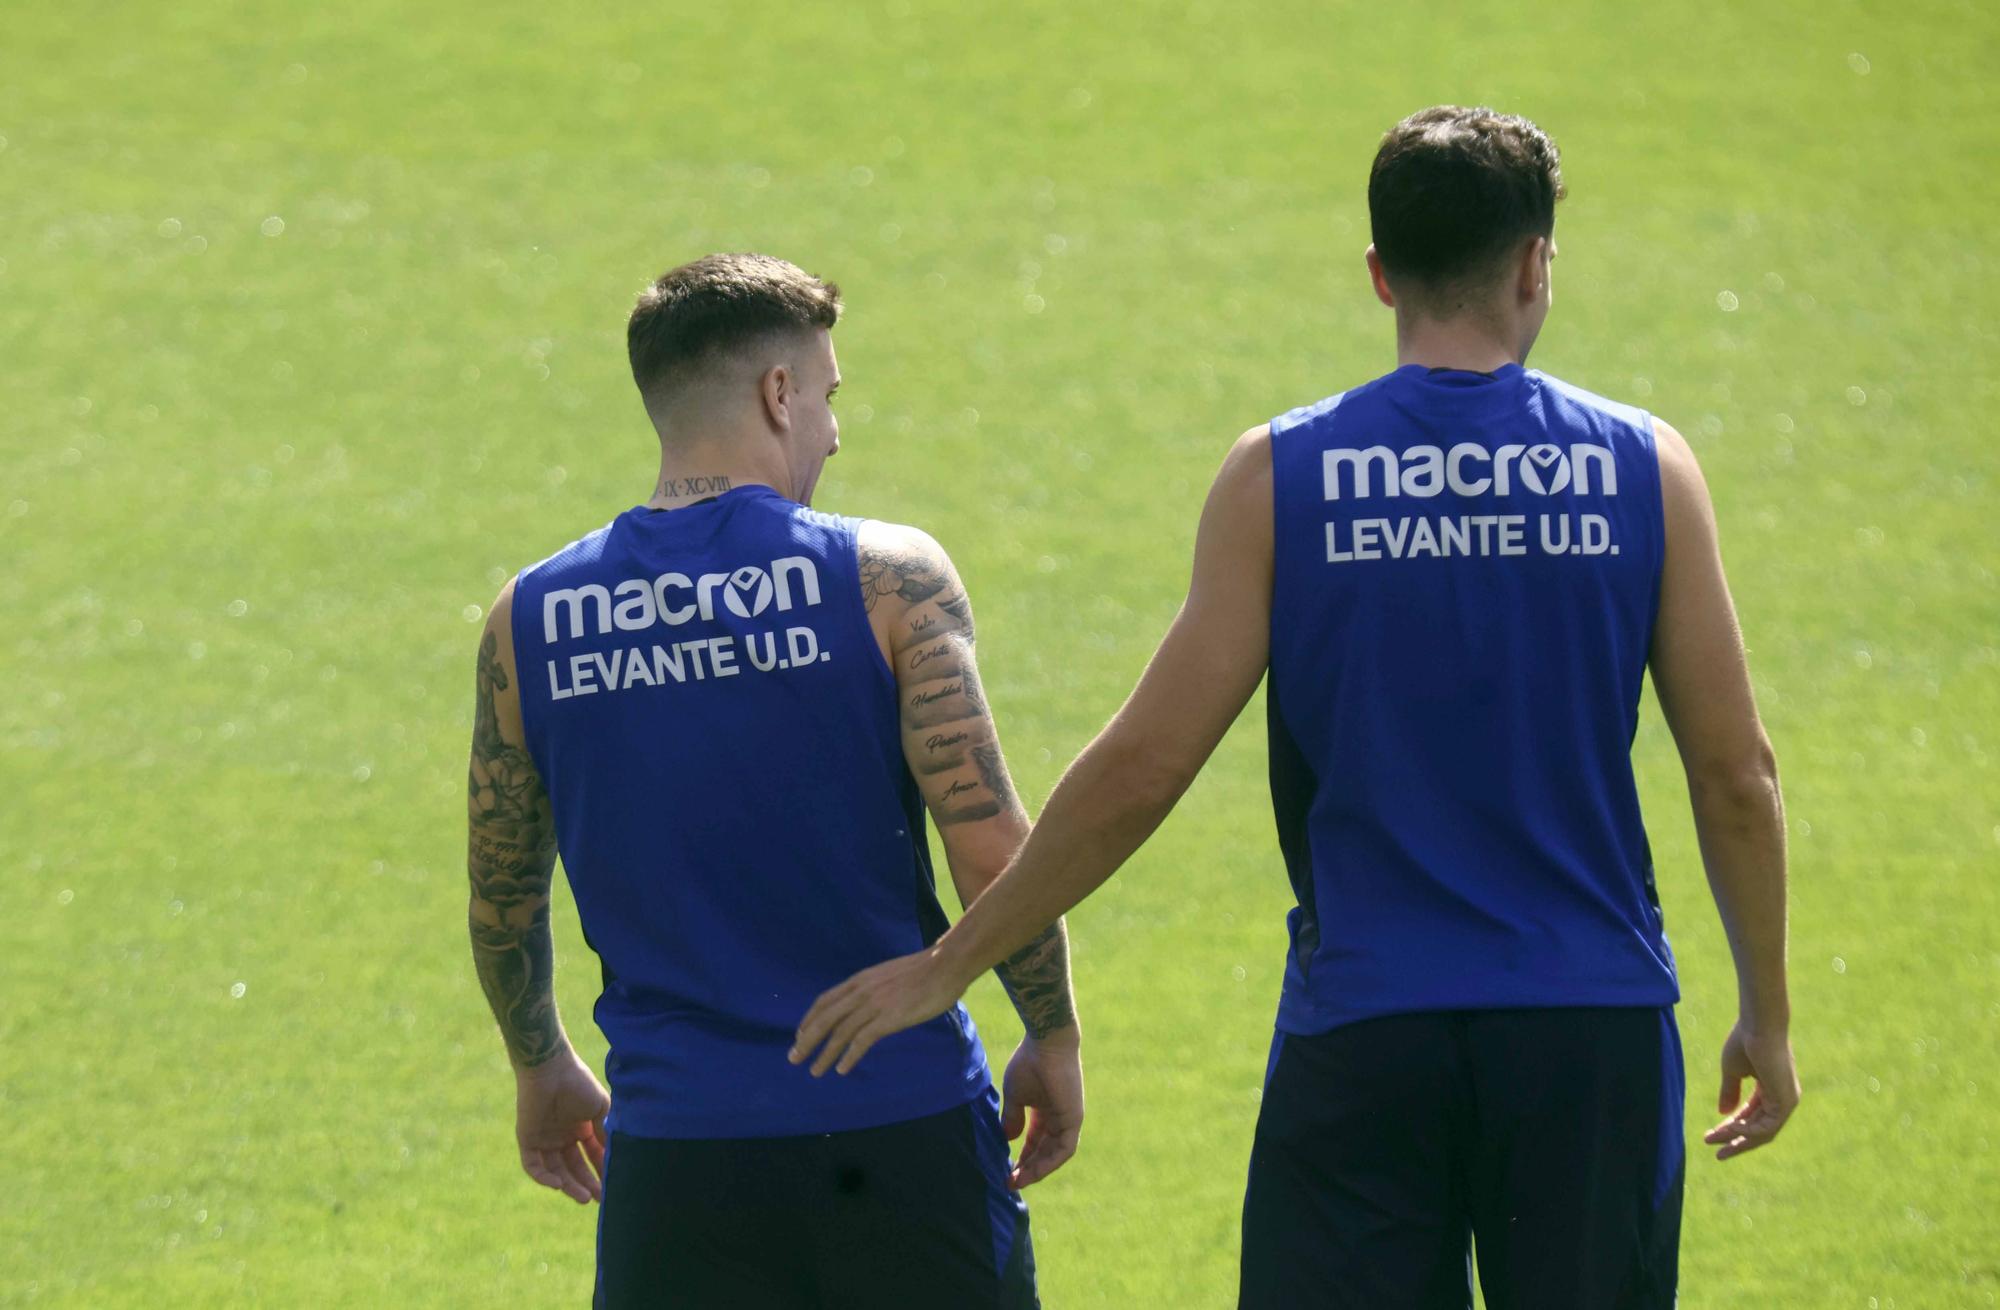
{"x":311,"y":332}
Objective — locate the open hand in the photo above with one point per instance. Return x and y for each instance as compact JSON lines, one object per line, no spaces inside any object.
{"x":874,"y":1003}
{"x":559,"y":1110}
{"x":1043,"y":1093}
{"x":1768,"y":1060}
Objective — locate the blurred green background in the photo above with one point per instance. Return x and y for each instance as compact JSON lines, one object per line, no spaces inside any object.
{"x":311,"y":333}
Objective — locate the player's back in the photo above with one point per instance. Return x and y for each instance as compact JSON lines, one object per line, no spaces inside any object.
{"x":707,"y":705}
{"x":1467,"y":570}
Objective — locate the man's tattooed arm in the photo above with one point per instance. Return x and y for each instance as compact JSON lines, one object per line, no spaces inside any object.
{"x":510,"y":860}
{"x":1037,"y":981}
{"x":948,"y":733}
{"x":915,"y":598}
{"x":902,"y":570}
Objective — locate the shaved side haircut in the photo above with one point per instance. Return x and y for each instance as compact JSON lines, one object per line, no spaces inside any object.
{"x":695,"y":315}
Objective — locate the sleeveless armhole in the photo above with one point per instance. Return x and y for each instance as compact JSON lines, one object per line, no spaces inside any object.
{"x":1649,"y":435}
{"x":530,"y":711}
{"x":1282,"y":531}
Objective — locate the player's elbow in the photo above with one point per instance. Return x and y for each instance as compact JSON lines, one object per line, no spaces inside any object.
{"x":1145,"y":778}
{"x":1739,"y":788}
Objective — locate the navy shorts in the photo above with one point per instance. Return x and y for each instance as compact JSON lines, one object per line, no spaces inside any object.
{"x":915,"y":1215}
{"x":1548,"y":1140}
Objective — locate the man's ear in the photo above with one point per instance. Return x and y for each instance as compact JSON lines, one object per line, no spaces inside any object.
{"x":1534,"y":268}
{"x":777,"y":389}
{"x":1380,"y":277}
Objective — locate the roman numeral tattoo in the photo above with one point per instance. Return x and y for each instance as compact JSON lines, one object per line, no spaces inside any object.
{"x":683,"y":488}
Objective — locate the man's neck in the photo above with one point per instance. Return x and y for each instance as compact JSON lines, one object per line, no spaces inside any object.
{"x":680,"y":486}
{"x":1453,"y":343}
{"x":696,"y":471}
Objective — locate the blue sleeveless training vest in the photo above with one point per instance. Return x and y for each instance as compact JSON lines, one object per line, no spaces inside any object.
{"x":718,"y":733}
{"x":1467,"y":573}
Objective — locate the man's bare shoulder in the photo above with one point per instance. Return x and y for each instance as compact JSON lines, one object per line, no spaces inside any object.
{"x":1682,"y":486}
{"x":1671,"y":445}
{"x":503,"y":604}
{"x":1249,"y":460}
{"x":1241,"y":495}
{"x":900,"y":564}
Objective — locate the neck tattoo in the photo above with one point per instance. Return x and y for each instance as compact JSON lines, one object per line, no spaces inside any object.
{"x":683,"y":488}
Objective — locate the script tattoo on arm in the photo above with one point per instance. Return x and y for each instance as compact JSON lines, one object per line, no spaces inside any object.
{"x":511,"y":859}
{"x":954,"y":752}
{"x":947,"y":729}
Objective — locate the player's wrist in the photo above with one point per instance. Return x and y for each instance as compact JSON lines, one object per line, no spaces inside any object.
{"x":1068,"y":1037}
{"x":954,"y":961}
{"x":1766,"y":1014}
{"x":555,"y":1064}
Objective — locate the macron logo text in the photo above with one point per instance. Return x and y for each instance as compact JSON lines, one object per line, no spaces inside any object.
{"x":1469,"y":469}
{"x":674,"y":598}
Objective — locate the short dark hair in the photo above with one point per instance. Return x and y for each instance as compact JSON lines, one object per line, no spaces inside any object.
{"x":1454,"y":190}
{"x":716,"y":305}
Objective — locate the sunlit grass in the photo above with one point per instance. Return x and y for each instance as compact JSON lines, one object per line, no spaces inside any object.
{"x":260,"y":476}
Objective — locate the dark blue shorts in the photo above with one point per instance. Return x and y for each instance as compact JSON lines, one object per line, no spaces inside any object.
{"x":1549,"y":1140}
{"x":915,"y":1215}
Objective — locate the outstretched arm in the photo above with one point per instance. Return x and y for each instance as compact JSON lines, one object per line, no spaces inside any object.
{"x":1703,"y":681}
{"x":510,"y":860}
{"x":923,"y":622}
{"x":1116,"y":793}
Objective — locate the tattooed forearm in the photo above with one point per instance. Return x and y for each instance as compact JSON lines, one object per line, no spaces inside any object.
{"x":510,"y":859}
{"x":993,"y":772}
{"x":517,"y":970}
{"x":1037,"y":981}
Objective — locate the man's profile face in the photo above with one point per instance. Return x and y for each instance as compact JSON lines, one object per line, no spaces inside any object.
{"x":815,"y":436}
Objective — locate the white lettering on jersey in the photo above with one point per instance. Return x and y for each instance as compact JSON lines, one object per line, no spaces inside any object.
{"x":637,"y":604}
{"x":1468,"y":469}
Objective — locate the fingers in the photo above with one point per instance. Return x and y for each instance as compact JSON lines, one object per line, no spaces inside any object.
{"x":1030,"y":1148}
{"x":871,"y":1032}
{"x":1733,"y":1125}
{"x":579,"y":1172}
{"x":538,"y":1168}
{"x":594,"y":1144}
{"x":1013,"y":1118}
{"x":852,"y":1020}
{"x":1755,"y":1126}
{"x":827,"y":1011}
{"x":1731,"y":1094}
{"x":1046,"y":1152}
{"x":574,"y":1167}
{"x":547,"y":1168}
